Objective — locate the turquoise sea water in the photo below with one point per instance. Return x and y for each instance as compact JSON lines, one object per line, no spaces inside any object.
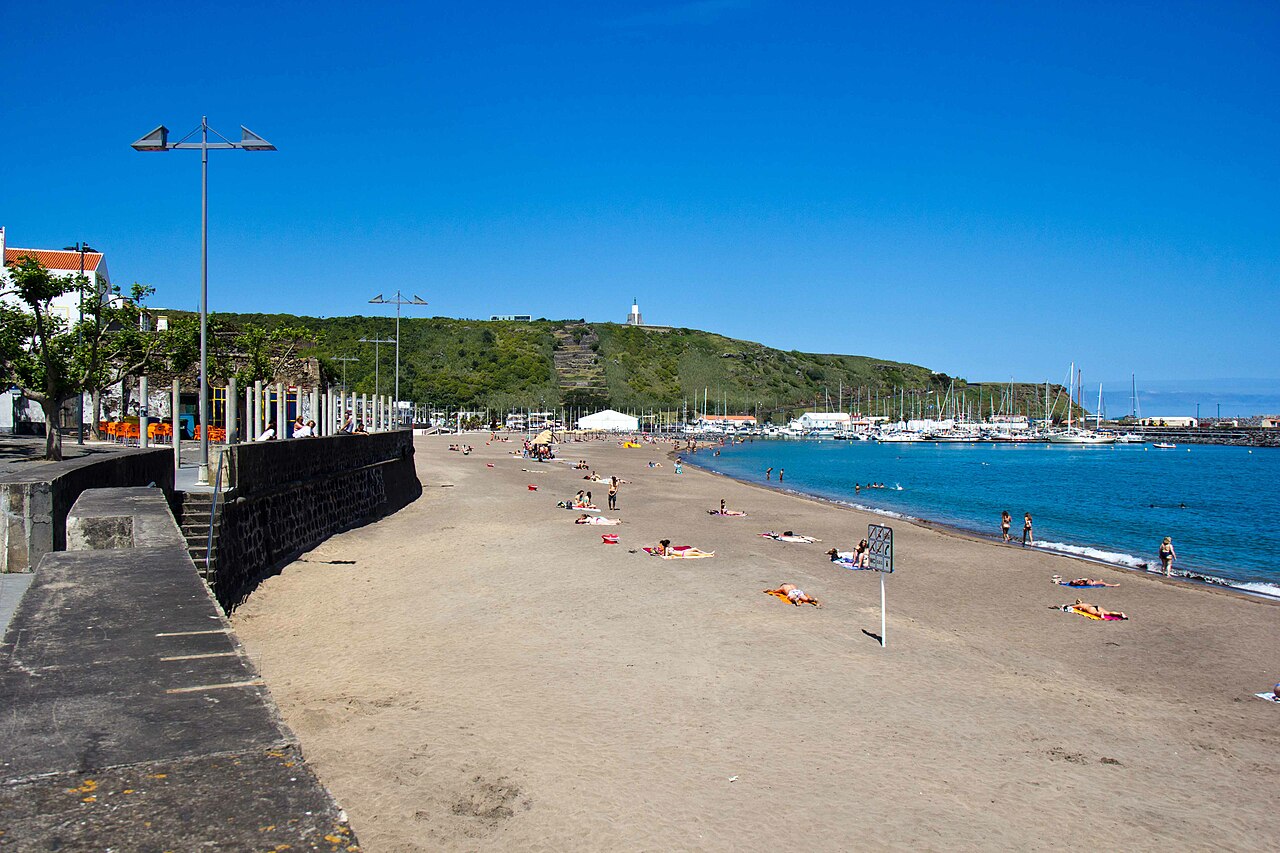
{"x":1115,"y":503}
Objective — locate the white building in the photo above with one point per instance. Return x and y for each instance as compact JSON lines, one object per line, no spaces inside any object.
{"x":820,"y":421}
{"x":609,"y":421}
{"x":633,"y":319}
{"x":64,"y":263}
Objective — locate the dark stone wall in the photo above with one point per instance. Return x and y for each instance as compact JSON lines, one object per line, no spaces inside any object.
{"x":36,"y":501}
{"x":290,"y":496}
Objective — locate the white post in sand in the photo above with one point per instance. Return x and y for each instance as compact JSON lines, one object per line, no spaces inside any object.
{"x":884,"y":638}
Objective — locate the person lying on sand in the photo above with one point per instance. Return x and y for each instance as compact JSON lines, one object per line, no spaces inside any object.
{"x":734,"y":513}
{"x":1092,"y":610}
{"x":589,"y":519}
{"x":666,"y":549}
{"x":1081,"y":582}
{"x":794,"y":594}
{"x":789,"y":536}
{"x":840,"y":556}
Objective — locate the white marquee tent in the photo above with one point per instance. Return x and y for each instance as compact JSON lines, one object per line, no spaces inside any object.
{"x":609,"y":421}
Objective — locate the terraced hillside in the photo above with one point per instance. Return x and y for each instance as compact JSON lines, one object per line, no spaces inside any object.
{"x":579,"y":371}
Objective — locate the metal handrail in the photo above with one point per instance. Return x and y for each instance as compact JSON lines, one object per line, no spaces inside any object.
{"x":213,"y":510}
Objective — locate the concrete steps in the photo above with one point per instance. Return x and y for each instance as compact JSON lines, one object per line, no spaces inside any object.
{"x":193,"y":520}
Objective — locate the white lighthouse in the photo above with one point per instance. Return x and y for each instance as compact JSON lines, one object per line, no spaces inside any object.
{"x":633,"y":319}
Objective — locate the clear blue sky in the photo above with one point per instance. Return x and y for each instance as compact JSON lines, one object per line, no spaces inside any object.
{"x":988,"y":189}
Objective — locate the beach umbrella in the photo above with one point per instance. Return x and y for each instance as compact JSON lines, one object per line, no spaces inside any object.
{"x":544,"y":437}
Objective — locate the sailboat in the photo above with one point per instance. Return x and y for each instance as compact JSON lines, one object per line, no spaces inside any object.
{"x":1079,"y":435}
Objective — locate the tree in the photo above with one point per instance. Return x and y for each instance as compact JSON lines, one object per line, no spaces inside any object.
{"x":37,"y":348}
{"x":115,"y":345}
{"x":265,"y":353}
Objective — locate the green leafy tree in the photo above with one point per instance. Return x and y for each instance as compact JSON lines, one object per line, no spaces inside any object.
{"x":266,"y":352}
{"x":37,"y":348}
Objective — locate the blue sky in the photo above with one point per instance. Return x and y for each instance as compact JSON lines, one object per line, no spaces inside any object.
{"x":991,"y":189}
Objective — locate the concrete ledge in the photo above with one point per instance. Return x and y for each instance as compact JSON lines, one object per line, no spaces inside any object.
{"x":34,"y":501}
{"x":102,"y":519}
{"x":120,"y":673}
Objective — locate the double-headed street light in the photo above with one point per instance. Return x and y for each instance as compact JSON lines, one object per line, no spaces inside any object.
{"x":81,"y":247}
{"x":398,"y":301}
{"x":377,"y":387}
{"x":158,"y":140}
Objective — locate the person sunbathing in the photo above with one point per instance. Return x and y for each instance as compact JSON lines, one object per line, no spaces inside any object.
{"x":789,"y":536}
{"x":666,"y":549}
{"x":794,"y":594}
{"x":840,"y":556}
{"x":1081,"y":582}
{"x":588,"y":519}
{"x":1094,"y":610}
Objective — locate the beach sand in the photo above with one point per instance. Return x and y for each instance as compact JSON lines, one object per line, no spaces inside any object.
{"x":489,"y":675}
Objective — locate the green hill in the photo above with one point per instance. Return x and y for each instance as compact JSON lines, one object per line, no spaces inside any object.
{"x":498,"y":365}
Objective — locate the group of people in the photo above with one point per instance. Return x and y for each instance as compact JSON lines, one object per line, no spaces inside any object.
{"x":299,"y":429}
{"x":768,"y":473}
{"x":464,"y":449}
{"x":1006,"y":521}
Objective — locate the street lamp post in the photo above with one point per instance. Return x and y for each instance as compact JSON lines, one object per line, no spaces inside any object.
{"x":377,"y":387}
{"x":80,"y":247}
{"x":398,"y":301}
{"x":158,"y":140}
{"x":344,"y":359}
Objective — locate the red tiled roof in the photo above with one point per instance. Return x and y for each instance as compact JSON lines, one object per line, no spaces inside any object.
{"x":54,"y":259}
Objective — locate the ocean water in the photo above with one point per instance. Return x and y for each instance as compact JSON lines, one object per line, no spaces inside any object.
{"x":1113,"y":503}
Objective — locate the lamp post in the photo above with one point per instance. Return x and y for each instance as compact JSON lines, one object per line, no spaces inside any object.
{"x":80,"y":247}
{"x":344,"y":359}
{"x":398,"y":301}
{"x":158,"y":140}
{"x":377,"y":388}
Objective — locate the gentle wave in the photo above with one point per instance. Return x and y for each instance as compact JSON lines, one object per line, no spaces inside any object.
{"x":1129,"y":561}
{"x":1112,"y":557}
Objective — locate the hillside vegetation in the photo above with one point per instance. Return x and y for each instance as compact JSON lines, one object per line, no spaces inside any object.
{"x":548,"y":364}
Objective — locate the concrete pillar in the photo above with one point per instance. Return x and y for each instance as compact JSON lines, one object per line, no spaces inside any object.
{"x":177,"y":427}
{"x":248,"y":412}
{"x":282,"y":411}
{"x":257,"y":409}
{"x":364,"y":409}
{"x":315,"y":407}
{"x":143,"y":441}
{"x":233,"y":406}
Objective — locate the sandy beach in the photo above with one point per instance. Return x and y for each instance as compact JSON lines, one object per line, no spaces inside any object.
{"x":488,"y":675}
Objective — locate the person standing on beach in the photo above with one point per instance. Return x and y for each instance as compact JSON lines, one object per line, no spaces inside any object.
{"x":768,"y":473}
{"x":613,"y":493}
{"x":1167,"y":556}
{"x":1005,"y":521}
{"x":1027,"y":538}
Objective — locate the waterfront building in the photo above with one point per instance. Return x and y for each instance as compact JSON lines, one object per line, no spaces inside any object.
{"x":64,"y":263}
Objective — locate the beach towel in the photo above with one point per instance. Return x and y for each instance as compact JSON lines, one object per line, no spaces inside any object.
{"x":851,"y":566}
{"x":610,"y":538}
{"x":1088,"y":615}
{"x":1270,"y":697}
{"x":783,"y":537}
{"x":781,"y":596}
{"x":1080,"y":585}
{"x":728,"y":513}
{"x":653,"y":552}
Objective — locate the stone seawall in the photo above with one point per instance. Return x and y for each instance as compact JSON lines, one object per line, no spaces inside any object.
{"x":290,"y":496}
{"x":34,"y":502}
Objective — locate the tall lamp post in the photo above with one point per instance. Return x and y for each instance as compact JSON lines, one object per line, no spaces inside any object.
{"x":377,"y":388}
{"x":158,"y":140}
{"x":344,"y":359}
{"x":81,"y":247}
{"x":398,"y":301}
